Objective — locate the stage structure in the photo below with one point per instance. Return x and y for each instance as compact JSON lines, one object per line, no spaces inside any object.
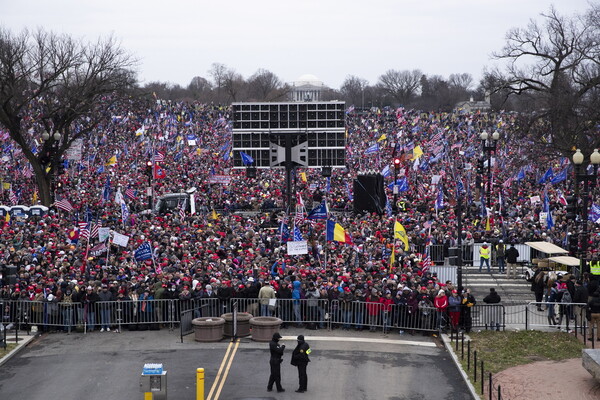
{"x":289,"y":135}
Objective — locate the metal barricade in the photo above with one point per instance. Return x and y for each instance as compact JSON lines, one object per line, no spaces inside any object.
{"x":488,"y":316}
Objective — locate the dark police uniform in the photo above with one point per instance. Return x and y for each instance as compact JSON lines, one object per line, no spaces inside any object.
{"x":300,"y":359}
{"x":275,"y":362}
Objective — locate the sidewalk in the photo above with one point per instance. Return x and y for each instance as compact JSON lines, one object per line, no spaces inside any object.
{"x":550,"y":380}
{"x":11,"y":338}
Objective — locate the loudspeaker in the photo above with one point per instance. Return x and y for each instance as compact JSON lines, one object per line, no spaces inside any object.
{"x":369,"y":194}
{"x":11,"y":275}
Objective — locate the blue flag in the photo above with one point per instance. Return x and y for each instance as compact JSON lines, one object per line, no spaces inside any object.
{"x":562,"y":175}
{"x":144,"y":252}
{"x":521,"y":175}
{"x":297,"y":234}
{"x":386,"y":171}
{"x":401,"y":183}
{"x":547,"y":175}
{"x":439,"y":202}
{"x":372,"y":149}
{"x":246,"y":158}
{"x":319,"y":212}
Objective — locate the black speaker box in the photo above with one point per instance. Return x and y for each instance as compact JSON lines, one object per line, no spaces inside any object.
{"x":369,"y":194}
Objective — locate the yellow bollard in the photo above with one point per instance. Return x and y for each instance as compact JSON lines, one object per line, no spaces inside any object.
{"x":148,"y":396}
{"x":200,"y":384}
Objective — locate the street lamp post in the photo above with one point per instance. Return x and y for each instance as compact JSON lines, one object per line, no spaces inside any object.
{"x":149,"y":172}
{"x":395,"y":187}
{"x":488,"y":144}
{"x":589,"y":182}
{"x":51,"y":159}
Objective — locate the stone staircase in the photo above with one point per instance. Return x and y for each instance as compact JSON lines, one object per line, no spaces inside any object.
{"x":510,"y":290}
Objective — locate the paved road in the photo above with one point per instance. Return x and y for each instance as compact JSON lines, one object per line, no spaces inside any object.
{"x":107,"y":366}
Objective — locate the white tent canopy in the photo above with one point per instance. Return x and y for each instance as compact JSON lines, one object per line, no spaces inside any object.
{"x":566,"y":260}
{"x":546,"y":247}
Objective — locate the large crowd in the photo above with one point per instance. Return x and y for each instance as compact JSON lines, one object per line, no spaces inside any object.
{"x":219,"y":251}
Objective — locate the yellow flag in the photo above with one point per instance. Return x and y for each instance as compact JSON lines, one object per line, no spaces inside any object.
{"x":487,"y":224}
{"x":214,"y":215}
{"x":417,"y":152}
{"x":35,"y":197}
{"x":7,"y":218}
{"x":393,"y":258}
{"x":303,"y":177}
{"x":400,"y":233}
{"x":382,"y":137}
{"x":6,"y":186}
{"x":112,"y":161}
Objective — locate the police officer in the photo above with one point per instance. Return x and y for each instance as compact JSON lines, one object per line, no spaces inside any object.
{"x":595,"y":268}
{"x":275,"y":363}
{"x":300,"y":359}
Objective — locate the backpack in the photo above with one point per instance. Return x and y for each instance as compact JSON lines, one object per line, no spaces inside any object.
{"x":566,"y":297}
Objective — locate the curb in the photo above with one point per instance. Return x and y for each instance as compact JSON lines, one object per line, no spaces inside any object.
{"x":448,"y":345}
{"x":22,"y":343}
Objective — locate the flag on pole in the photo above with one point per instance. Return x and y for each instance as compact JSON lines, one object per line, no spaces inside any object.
{"x":400,"y":233}
{"x":64,"y":205}
{"x":132,"y":194}
{"x":246,"y":158}
{"x":124,"y":211}
{"x":159,"y":156}
{"x":372,"y":149}
{"x":561,"y":176}
{"x":548,"y":175}
{"x":12,"y":197}
{"x":182,"y":209}
{"x":336,"y":233}
{"x":297,"y":234}
{"x":319,"y":212}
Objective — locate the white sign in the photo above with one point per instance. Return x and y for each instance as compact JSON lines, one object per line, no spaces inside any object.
{"x":222,"y":179}
{"x":294,"y":248}
{"x":75,"y":151}
{"x":544,"y":218}
{"x":535,"y":199}
{"x":103,"y":234}
{"x":120,"y":239}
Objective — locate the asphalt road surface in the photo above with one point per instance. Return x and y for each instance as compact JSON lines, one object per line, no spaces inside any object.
{"x":107,"y":366}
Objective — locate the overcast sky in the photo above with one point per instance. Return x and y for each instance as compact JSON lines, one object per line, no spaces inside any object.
{"x":176,"y":40}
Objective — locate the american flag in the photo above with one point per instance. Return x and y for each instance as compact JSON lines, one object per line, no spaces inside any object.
{"x":159,"y":156}
{"x":426,"y":261}
{"x":64,"y":205}
{"x":26,"y":172}
{"x":12,"y":197}
{"x":84,"y":230}
{"x":95,"y":227}
{"x":182,"y":209}
{"x":132,"y":194}
{"x":299,"y":217}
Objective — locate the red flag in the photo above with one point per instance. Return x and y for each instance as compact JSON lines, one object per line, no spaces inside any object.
{"x":159,"y":173}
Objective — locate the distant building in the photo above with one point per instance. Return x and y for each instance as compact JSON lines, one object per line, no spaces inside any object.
{"x":307,"y":88}
{"x":474,"y":106}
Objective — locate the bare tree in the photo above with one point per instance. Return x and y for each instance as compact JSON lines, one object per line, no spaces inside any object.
{"x":556,"y":62}
{"x":460,"y":81}
{"x":264,"y":85}
{"x":55,"y":84}
{"x":353,"y":90}
{"x":402,"y":86}
{"x":199,"y":88}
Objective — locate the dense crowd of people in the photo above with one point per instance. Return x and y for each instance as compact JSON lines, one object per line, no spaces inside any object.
{"x":221,"y":252}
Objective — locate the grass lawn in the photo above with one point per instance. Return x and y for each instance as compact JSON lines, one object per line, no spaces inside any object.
{"x":502,"y":350}
{"x":9,"y":347}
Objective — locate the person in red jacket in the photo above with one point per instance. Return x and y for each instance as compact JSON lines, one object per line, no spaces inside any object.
{"x":386,"y":310}
{"x":441,"y":304}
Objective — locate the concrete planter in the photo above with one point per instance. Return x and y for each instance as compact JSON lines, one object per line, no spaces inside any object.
{"x":243,"y":324}
{"x":263,"y":328}
{"x":208,"y":329}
